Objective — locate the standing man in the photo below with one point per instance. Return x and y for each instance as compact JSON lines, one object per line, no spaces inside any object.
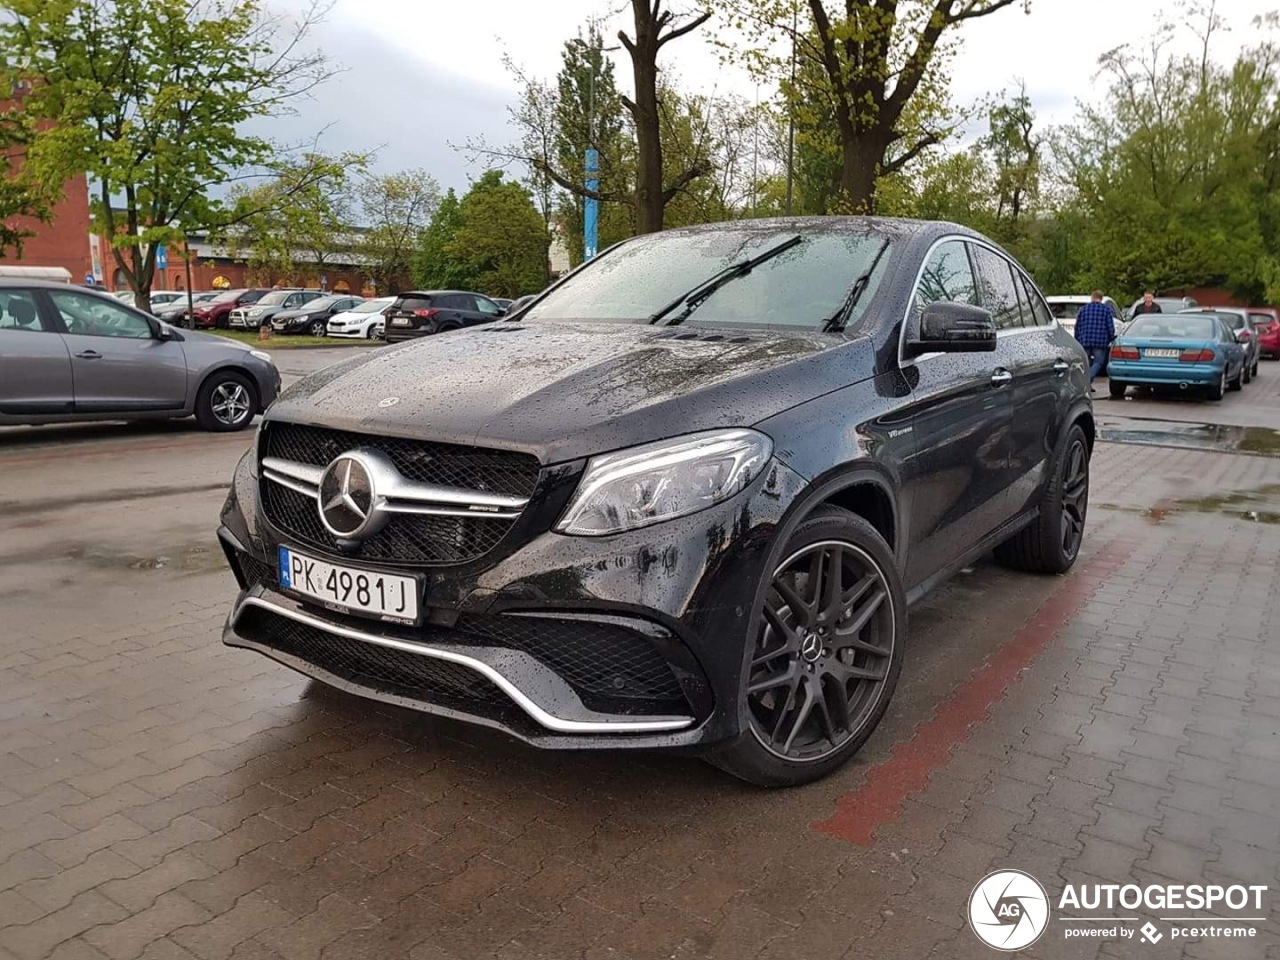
{"x":1148,"y":305}
{"x":1095,"y":329}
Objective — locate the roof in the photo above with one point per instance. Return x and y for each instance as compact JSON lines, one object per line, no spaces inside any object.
{"x":60,"y":275}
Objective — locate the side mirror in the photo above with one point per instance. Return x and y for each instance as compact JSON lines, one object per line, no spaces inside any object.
{"x":160,"y":331}
{"x":502,"y":311}
{"x":954,"y":328}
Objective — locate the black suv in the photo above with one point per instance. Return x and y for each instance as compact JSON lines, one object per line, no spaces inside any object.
{"x":681,"y":501}
{"x":420,"y":313}
{"x":313,"y":316}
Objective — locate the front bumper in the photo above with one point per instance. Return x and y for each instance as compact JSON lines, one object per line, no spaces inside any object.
{"x":292,"y":325}
{"x":1164,"y":374}
{"x":636,"y":640}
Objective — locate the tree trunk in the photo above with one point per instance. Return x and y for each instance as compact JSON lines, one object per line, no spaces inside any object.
{"x":860,"y":160}
{"x":644,"y":62}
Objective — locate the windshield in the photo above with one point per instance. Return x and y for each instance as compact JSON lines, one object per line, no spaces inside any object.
{"x":1262,"y":319}
{"x":370,"y":306}
{"x":322,"y":303}
{"x":275,"y":298}
{"x":228,"y":296}
{"x":800,"y":287}
{"x":1066,"y":311}
{"x":1176,"y":327}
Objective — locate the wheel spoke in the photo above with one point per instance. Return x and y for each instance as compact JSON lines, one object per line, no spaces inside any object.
{"x":786,"y":678}
{"x":835,"y":700}
{"x":828,"y":602}
{"x":786,"y":589}
{"x":817,"y":566}
{"x":843,"y":671}
{"x":854,"y":626}
{"x":786,"y":632}
{"x":802,"y":714}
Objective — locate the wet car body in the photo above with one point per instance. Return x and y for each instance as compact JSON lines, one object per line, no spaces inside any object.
{"x":926,"y":448}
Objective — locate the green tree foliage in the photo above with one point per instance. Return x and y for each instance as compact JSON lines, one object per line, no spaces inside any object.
{"x":501,"y":241}
{"x":1175,"y":174}
{"x":19,"y":196}
{"x":876,"y":70}
{"x":152,"y":100}
{"x":396,"y":208}
{"x":433,"y":269}
{"x":295,"y":225}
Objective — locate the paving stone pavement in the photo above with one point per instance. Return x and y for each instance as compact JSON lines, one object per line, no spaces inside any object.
{"x":162,"y":796}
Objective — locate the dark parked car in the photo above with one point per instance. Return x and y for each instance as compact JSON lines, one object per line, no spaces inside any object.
{"x":175,"y":311}
{"x":71,"y":354}
{"x":681,"y":502}
{"x":420,"y":313}
{"x":216,"y":312}
{"x":313,"y":316}
{"x":520,"y":303}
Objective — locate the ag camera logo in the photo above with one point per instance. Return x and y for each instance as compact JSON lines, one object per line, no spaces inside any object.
{"x":1008,"y":910}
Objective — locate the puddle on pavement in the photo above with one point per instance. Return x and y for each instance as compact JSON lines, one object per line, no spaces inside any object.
{"x":1255,"y":506}
{"x":193,"y":559}
{"x":1259,"y":441}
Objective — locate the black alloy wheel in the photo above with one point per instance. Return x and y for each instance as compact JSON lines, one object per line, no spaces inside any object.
{"x":317,"y":328}
{"x":826,"y":654}
{"x":1075,"y":497}
{"x":822,"y":657}
{"x":1051,"y":542}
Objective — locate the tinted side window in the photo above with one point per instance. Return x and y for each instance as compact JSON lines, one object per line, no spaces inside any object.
{"x":1040,"y":314}
{"x":18,"y":311}
{"x":999,"y":295}
{"x":485,"y":305}
{"x":947,"y":277}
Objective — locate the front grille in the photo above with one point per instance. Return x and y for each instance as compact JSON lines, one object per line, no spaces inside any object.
{"x":381,"y":668}
{"x":597,"y":660}
{"x":407,"y":538}
{"x":255,"y":571}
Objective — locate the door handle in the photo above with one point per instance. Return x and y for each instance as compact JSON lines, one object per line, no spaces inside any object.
{"x":1001,"y":378}
{"x":1061,"y":367}
{"x":89,"y":355}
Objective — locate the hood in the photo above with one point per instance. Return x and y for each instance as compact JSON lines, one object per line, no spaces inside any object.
{"x":291,"y":314}
{"x":206,"y":340}
{"x":567,"y":390}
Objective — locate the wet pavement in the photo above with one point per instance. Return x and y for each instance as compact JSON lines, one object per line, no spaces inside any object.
{"x":166,"y":797}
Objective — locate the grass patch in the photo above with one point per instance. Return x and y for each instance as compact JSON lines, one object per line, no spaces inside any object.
{"x":284,"y":341}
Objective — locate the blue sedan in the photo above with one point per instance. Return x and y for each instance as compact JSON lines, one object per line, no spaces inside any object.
{"x":1177,"y":350}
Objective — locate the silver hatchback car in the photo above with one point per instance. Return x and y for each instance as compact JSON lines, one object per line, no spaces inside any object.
{"x":68,"y":354}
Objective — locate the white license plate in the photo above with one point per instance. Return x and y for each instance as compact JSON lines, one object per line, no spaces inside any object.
{"x":383,"y":596}
{"x":401,"y":322}
{"x":1169,"y":354}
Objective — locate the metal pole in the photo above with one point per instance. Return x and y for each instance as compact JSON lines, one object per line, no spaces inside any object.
{"x":791,"y":115}
{"x":591,"y":206}
{"x":191,"y":299}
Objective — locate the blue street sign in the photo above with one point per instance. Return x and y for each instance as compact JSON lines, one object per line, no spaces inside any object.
{"x":591,"y":209}
{"x":162,"y":257}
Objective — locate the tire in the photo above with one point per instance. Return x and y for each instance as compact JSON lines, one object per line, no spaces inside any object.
{"x":1238,"y":382}
{"x":1216,"y":391}
{"x":371,"y":331}
{"x":1253,"y":372}
{"x":1052,"y":542}
{"x":1117,"y":389}
{"x":1245,"y":373}
{"x":796,"y":726}
{"x":227,"y":401}
{"x":317,"y":328}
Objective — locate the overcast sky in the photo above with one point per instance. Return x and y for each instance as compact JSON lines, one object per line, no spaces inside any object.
{"x":421,"y":75}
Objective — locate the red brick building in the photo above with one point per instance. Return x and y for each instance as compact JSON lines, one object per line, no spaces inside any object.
{"x":64,"y":241}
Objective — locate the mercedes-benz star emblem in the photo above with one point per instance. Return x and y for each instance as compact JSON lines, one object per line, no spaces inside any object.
{"x":347,"y":498}
{"x":388,"y":401}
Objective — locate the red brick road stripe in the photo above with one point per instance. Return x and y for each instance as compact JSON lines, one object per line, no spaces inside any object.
{"x":878,"y":801}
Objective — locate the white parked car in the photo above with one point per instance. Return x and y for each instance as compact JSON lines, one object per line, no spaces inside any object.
{"x":364,"y":321}
{"x":1065,"y":309}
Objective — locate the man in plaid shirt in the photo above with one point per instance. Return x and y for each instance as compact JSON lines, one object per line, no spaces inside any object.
{"x":1095,"y":329}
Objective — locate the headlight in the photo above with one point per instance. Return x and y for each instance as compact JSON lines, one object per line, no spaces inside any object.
{"x":254,"y":312}
{"x":664,"y":480}
{"x":261,"y":355}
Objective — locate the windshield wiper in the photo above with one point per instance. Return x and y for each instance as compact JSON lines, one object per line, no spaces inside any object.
{"x":695,"y":297}
{"x":837,"y":320}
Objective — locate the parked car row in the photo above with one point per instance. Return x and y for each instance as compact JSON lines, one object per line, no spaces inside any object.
{"x":1214,"y":349}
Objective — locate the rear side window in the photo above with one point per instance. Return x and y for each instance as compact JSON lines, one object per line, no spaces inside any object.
{"x":1261,"y":319}
{"x":18,"y":311}
{"x":485,"y":305}
{"x":410,"y":304}
{"x":253,"y":296}
{"x":999,"y":295}
{"x":1040,"y":315}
